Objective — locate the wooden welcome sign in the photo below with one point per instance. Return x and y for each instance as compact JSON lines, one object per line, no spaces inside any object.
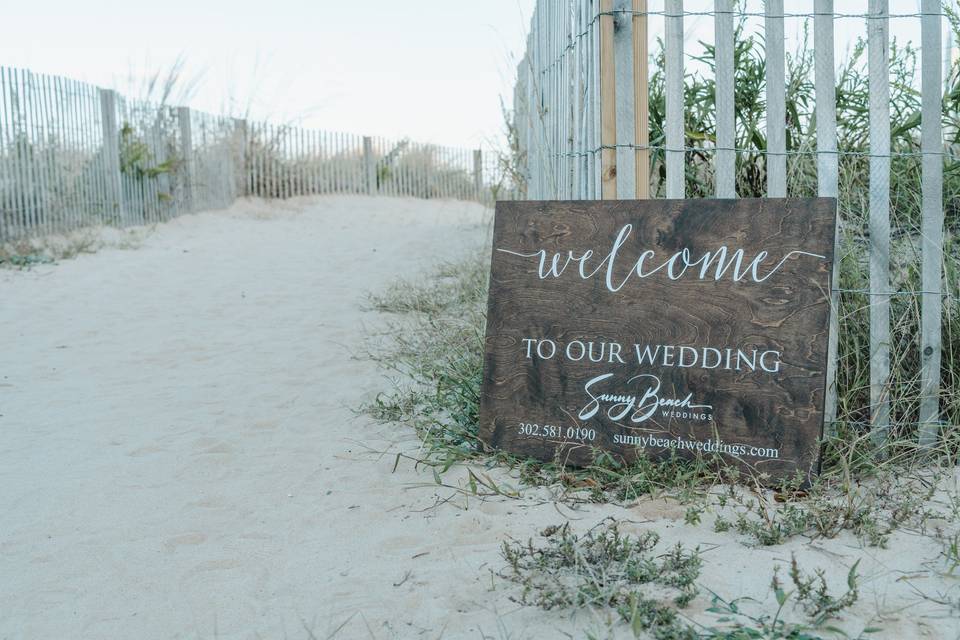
{"x":647,"y":327}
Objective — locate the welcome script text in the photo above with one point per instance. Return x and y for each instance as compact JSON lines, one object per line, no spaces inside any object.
{"x":716,"y":265}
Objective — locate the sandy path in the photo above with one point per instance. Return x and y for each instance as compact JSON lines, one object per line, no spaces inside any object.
{"x":177,"y":425}
{"x":179,"y":457}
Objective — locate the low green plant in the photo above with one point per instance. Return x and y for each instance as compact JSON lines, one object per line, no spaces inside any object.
{"x":813,"y":595}
{"x":605,"y":568}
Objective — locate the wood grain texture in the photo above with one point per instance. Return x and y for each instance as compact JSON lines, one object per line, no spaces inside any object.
{"x":787,"y":313}
{"x":608,"y":104}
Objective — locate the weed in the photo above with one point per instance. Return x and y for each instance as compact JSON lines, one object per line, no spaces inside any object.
{"x":605,"y":568}
{"x":813,"y":595}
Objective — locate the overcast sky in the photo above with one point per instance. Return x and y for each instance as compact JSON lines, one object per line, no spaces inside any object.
{"x":429,"y":69}
{"x":433,"y":70}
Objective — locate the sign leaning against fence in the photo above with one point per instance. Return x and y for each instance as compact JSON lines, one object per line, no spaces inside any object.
{"x":648,"y":327}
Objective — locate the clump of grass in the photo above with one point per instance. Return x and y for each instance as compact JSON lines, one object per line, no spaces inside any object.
{"x":434,"y":349}
{"x":29,"y":252}
{"x":605,"y":568}
{"x":814,"y":596}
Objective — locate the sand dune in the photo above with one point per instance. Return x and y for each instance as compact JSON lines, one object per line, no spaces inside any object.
{"x":180,"y":456}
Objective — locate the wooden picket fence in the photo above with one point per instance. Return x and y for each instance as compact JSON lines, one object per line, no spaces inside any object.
{"x":74,"y":155}
{"x":581,"y":114}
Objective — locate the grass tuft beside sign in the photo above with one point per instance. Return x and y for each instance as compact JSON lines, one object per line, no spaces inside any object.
{"x":648,"y":327}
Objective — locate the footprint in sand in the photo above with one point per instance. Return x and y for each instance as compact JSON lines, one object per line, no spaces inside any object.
{"x":145,"y":451}
{"x":189,"y":539}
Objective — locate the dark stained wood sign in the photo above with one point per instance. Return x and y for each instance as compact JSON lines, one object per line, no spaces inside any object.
{"x":646,"y":327}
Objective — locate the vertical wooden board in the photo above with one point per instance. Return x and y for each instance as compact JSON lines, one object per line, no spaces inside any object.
{"x":776,"y":100}
{"x":286,"y":162}
{"x":57,"y":155}
{"x":40,"y":152}
{"x":350,"y":163}
{"x":316,"y":162}
{"x":89,"y":196}
{"x":571,"y":102}
{"x":608,"y":104}
{"x":87,"y":106}
{"x":82,"y":102}
{"x":52,"y":144}
{"x":931,"y":143}
{"x":276,"y":187}
{"x":46,"y":142}
{"x":478,"y":174}
{"x":71,"y":107}
{"x":186,"y":154}
{"x":253,"y":158}
{"x":641,"y":71}
{"x":580,"y":105}
{"x":31,"y":185}
{"x":625,"y":94}
{"x":827,"y":179}
{"x":533,"y":146}
{"x":262,"y":159}
{"x":19,"y":179}
{"x":322,"y":161}
{"x":62,"y":151}
{"x":675,"y":138}
{"x":331,"y":161}
{"x":369,"y":169}
{"x":879,"y":77}
{"x":26,"y":125}
{"x":596,"y":158}
{"x":303,"y":160}
{"x":7,"y":228}
{"x":111,"y":153}
{"x":725,"y":160}
{"x":36,"y":193}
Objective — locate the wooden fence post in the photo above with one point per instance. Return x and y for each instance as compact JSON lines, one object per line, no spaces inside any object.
{"x":370,"y":167}
{"x":478,"y":173}
{"x":242,"y":155}
{"x":111,"y":152}
{"x":931,"y":146}
{"x":825,"y":91}
{"x":879,"y":87}
{"x":186,"y":156}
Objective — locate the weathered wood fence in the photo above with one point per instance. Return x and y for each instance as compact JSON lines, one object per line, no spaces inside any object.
{"x":584,"y":108}
{"x":74,"y":155}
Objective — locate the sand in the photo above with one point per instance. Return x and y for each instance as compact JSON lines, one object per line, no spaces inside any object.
{"x":181,"y":456}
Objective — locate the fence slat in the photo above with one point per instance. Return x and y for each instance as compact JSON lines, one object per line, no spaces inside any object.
{"x":608,"y":104}
{"x":8,"y":227}
{"x":641,"y":72}
{"x":879,"y":75}
{"x":626,"y":164}
{"x":931,"y":145}
{"x":726,"y":156}
{"x":674,"y":99}
{"x":776,"y":100}
{"x":828,"y":181}
{"x":186,"y":156}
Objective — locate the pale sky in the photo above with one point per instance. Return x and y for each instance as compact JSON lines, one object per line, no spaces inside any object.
{"x":431,"y":70}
